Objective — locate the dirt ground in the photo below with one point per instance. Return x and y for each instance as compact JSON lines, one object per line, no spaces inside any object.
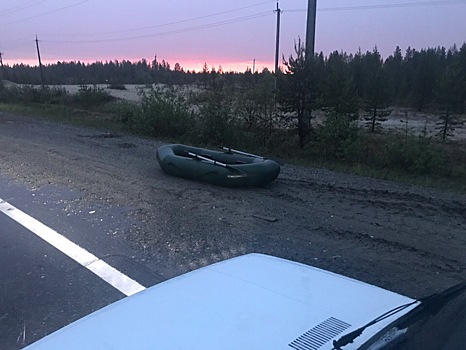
{"x":407,"y":239}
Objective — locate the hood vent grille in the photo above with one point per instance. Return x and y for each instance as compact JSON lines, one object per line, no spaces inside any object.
{"x":314,"y":338}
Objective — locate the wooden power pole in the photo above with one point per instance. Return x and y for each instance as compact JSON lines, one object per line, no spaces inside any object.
{"x":311,"y":27}
{"x":40,"y":63}
{"x":277,"y":43}
{"x":1,"y":64}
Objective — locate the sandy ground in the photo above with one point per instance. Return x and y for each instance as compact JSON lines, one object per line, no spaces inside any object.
{"x":408,"y":239}
{"x":130,"y":94}
{"x":403,"y":120}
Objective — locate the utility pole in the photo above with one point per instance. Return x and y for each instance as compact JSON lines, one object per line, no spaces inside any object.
{"x":277,"y":45}
{"x":311,"y":27}
{"x":1,"y":64}
{"x":40,"y":63}
{"x":253,"y":66}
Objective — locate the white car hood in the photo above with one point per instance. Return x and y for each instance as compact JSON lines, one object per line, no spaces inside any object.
{"x":251,"y":302}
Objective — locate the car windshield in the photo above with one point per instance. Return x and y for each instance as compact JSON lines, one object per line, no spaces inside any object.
{"x":434,"y":323}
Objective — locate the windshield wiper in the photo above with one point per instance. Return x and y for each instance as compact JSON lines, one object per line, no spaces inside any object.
{"x":428,"y":305}
{"x":349,"y":338}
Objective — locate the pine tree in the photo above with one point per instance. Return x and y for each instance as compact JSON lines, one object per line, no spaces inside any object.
{"x":376,"y":95}
{"x":338,"y":88}
{"x":256,"y":106}
{"x":425,"y":73}
{"x":297,"y":91}
{"x":394,"y":69}
{"x":450,"y":95}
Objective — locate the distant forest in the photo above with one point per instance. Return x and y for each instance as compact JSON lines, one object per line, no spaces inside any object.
{"x":411,"y":79}
{"x":323,"y":108}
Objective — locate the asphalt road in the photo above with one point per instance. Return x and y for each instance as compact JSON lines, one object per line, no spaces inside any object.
{"x":41,"y":288}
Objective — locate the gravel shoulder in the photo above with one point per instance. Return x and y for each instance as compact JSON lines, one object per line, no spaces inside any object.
{"x":411,"y":240}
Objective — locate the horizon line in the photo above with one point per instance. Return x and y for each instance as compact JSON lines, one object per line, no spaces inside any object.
{"x":188,"y":65}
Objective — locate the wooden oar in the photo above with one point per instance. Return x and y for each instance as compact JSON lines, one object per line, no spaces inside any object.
{"x":279,"y":161}
{"x":211,"y":161}
{"x":241,"y":152}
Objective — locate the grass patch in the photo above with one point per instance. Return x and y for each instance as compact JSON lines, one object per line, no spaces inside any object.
{"x":64,"y":114}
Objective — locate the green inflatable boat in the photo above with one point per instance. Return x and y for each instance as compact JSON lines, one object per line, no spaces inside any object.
{"x":230,"y":168}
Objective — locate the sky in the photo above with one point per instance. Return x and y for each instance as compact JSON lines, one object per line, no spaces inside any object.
{"x":233,"y":34}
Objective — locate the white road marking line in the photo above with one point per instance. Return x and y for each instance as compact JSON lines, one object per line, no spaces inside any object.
{"x":99,"y":267}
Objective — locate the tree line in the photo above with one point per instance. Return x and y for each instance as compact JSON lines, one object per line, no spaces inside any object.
{"x":412,"y":80}
{"x":313,"y":107}
{"x":342,"y":85}
{"x":108,"y":72}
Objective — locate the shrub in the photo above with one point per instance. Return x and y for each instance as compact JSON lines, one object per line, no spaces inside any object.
{"x":9,"y":94}
{"x":126,"y":113}
{"x":32,"y":94}
{"x":54,"y":95}
{"x":91,"y":96}
{"x":216,"y":123}
{"x":162,"y":113}
{"x":335,"y":138}
{"x":413,"y":154}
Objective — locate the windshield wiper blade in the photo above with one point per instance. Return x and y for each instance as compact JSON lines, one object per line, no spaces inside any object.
{"x":350,"y":337}
{"x":434,"y":302}
{"x":428,"y":305}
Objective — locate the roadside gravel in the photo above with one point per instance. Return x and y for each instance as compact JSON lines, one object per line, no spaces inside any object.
{"x":408,"y":239}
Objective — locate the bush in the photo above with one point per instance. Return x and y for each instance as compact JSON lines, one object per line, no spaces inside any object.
{"x":216,"y":125}
{"x":91,"y":96}
{"x":413,"y":154}
{"x":161,"y":113}
{"x":32,"y":94}
{"x":336,"y":138}
{"x":9,"y":94}
{"x":126,"y":113}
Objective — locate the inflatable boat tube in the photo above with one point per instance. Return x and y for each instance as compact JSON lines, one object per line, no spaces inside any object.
{"x":229,"y":169}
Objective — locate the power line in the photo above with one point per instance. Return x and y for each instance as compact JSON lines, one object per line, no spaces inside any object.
{"x":200,"y":27}
{"x":172,"y":32}
{"x":47,"y":13}
{"x":20,"y":7}
{"x":11,"y":44}
{"x":181,"y":21}
{"x":384,"y":6}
